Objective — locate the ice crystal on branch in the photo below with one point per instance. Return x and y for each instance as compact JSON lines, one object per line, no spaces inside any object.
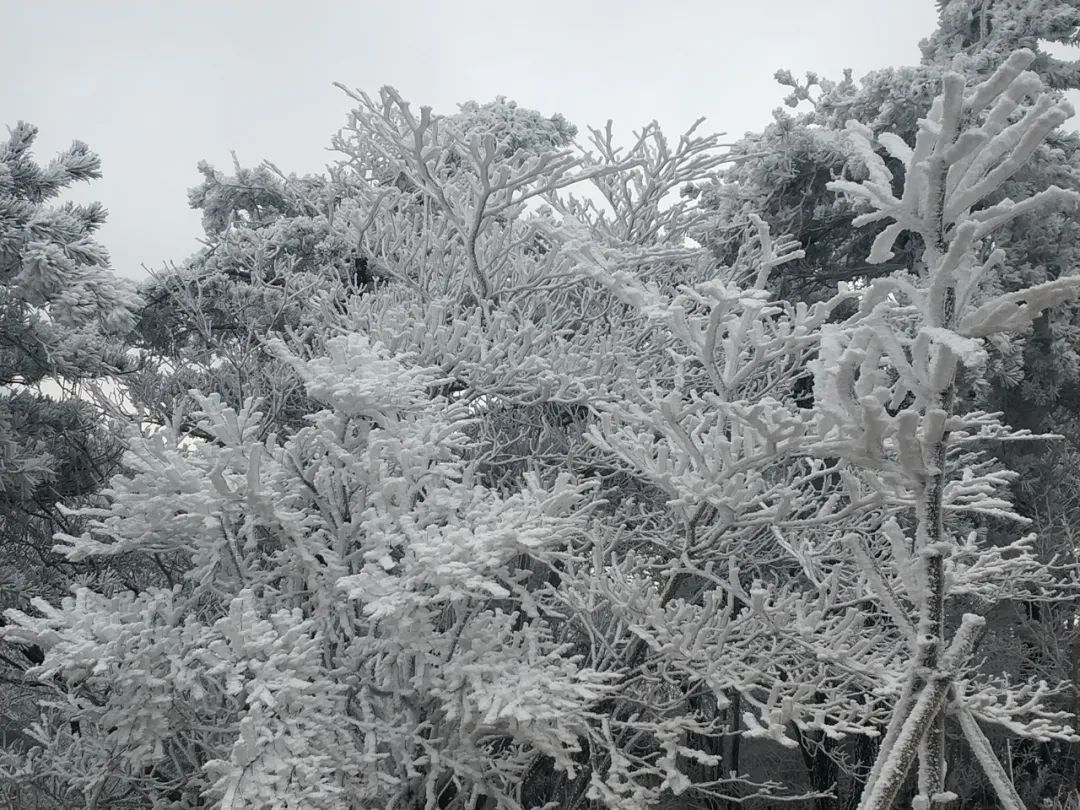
{"x":543,"y":509}
{"x":889,"y":379}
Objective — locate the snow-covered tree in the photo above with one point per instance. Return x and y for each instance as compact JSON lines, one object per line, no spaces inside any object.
{"x":885,"y":392}
{"x":487,"y":644}
{"x":279,"y":248}
{"x":781,"y":174}
{"x":62,"y":317}
{"x":554,"y":522}
{"x":59,"y":302}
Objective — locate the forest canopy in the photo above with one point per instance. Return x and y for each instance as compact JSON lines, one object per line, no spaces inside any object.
{"x":510,"y":465}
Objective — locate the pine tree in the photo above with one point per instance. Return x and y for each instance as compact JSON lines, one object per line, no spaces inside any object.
{"x":60,"y":304}
{"x":62,"y":317}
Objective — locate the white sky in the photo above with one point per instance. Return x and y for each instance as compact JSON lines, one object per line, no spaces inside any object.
{"x":154,"y":87}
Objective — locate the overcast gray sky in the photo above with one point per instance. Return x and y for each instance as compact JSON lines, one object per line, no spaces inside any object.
{"x":155,"y":87}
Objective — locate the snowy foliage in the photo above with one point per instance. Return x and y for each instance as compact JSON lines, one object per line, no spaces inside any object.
{"x":63,"y":316}
{"x":889,"y":385}
{"x":548,"y":518}
{"x":60,"y":305}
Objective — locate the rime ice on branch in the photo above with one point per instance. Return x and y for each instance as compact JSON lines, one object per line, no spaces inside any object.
{"x":886,"y":387}
{"x":549,"y":524}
